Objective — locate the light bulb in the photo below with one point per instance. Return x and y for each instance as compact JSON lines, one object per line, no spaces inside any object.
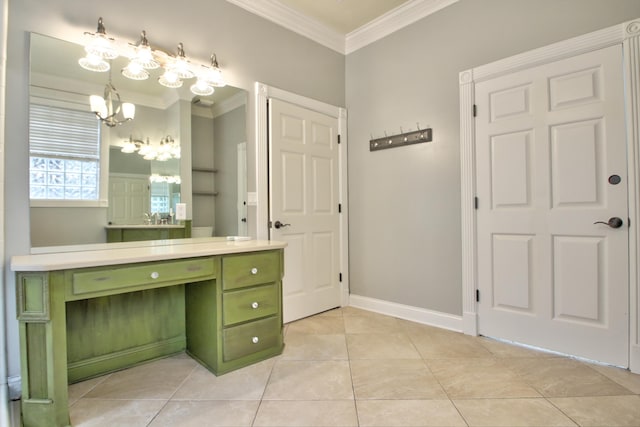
{"x":202,"y":88}
{"x":135,"y":71}
{"x":93,"y":62}
{"x":170,"y":79}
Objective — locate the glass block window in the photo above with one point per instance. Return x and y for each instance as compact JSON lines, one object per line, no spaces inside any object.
{"x":160,"y":199}
{"x":64,"y":154}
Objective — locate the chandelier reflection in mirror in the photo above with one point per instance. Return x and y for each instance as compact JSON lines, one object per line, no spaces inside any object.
{"x":101,"y":49}
{"x":167,"y":149}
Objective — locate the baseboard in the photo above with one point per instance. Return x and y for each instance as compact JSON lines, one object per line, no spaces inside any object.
{"x":15,"y":387}
{"x":111,"y":362}
{"x":407,"y":312}
{"x":634,"y":359}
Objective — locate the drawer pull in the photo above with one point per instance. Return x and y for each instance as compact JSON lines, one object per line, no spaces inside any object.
{"x":155,"y":275}
{"x":254,"y":270}
{"x":255,"y":305}
{"x":255,"y":340}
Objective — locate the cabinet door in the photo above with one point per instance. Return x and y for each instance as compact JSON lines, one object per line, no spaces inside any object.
{"x":248,"y":304}
{"x":247,"y":270}
{"x":249,"y":338}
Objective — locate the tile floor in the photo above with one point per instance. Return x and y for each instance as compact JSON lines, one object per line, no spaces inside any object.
{"x":349,"y":367}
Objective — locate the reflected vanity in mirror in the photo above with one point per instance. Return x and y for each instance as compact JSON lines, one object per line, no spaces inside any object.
{"x":138,"y":191}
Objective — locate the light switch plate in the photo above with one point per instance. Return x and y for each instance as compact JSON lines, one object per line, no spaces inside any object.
{"x":181,"y":211}
{"x":252,"y":198}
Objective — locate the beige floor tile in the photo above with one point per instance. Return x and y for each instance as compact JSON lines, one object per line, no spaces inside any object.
{"x":478,"y":378}
{"x":372,"y":325}
{"x":394,"y":379}
{"x":420,"y":329}
{"x":244,"y":384}
{"x":609,"y":411}
{"x":307,"y":414}
{"x":210,"y":413}
{"x":512,"y":413}
{"x":335,"y":312}
{"x":414,"y":413}
{"x":154,"y":380}
{"x":563,"y":377}
{"x":309,"y":380}
{"x":621,"y":376}
{"x":114,"y":413}
{"x":504,"y":349}
{"x":78,"y":390}
{"x":353,"y":311}
{"x":315,"y":347}
{"x":449,"y":345}
{"x":380,"y":346}
{"x":317,"y":325}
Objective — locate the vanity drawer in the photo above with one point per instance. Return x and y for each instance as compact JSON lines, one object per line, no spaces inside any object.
{"x":102,"y":281}
{"x":248,"y":304}
{"x":250,"y":338}
{"x":247,"y":270}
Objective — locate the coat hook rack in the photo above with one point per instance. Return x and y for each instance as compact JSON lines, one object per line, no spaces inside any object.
{"x":401,"y":139}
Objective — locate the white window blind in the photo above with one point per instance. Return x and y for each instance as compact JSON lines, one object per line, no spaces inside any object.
{"x":62,"y":132}
{"x":64,"y":151}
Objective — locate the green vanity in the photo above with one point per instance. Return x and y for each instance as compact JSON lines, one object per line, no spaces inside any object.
{"x":133,"y":233}
{"x":93,"y":309}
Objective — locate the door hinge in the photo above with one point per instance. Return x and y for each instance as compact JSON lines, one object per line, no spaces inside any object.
{"x":339,"y":207}
{"x":340,"y":277}
{"x":629,"y":221}
{"x":338,"y":138}
{"x":475,"y":110}
{"x":477,"y":295}
{"x":476,"y":203}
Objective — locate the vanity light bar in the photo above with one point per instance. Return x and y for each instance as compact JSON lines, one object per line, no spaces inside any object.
{"x":407,"y":138}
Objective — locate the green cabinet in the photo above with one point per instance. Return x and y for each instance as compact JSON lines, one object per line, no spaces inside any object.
{"x":132,"y":233}
{"x":224,"y":310}
{"x":248,"y":305}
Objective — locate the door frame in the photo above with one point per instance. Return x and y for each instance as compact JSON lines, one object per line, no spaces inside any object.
{"x":263,"y":93}
{"x":627,"y":35}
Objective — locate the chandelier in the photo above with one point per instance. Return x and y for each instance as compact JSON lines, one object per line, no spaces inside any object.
{"x":167,"y":149}
{"x":108,"y":108}
{"x":101,"y":48}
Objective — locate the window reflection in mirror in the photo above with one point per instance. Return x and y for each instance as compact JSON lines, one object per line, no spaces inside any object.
{"x":219,"y":120}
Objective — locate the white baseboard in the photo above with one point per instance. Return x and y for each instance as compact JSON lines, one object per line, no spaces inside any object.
{"x":634,"y":359}
{"x":15,"y":387}
{"x":407,"y":312}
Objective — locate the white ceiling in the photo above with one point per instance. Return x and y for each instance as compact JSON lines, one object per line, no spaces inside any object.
{"x":343,"y":25}
{"x":344,"y":16}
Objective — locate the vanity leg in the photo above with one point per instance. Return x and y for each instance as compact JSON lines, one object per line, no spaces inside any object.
{"x":43,"y":352}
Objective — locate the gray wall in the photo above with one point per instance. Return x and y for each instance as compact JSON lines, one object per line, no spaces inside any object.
{"x":404,"y":203}
{"x":248,"y":48}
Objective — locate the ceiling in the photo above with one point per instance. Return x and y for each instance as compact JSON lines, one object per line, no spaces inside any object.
{"x":343,"y":25}
{"x":343,"y":16}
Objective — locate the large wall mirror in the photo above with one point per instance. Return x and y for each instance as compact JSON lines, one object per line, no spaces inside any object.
{"x":133,"y":188}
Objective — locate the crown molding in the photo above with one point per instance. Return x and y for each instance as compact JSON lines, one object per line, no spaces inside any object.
{"x":283,"y":15}
{"x":392,"y":21}
{"x":386,"y":24}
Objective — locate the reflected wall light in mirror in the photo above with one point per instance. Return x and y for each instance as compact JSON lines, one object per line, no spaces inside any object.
{"x":167,"y":149}
{"x":101,"y":48}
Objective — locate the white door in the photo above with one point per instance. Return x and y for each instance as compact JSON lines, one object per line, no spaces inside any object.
{"x":303,"y":188}
{"x":129,"y":199}
{"x":551,"y":162}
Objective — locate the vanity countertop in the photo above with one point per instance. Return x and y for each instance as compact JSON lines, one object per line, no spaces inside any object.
{"x":100,"y":254}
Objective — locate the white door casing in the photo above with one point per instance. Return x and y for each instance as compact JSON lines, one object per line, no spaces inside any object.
{"x":303,"y":178}
{"x":241,"y":199}
{"x":263,"y":96}
{"x":547,"y":140}
{"x":626,"y":36}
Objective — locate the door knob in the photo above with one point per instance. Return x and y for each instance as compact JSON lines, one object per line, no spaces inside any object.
{"x":614,"y":222}
{"x":278,"y":224}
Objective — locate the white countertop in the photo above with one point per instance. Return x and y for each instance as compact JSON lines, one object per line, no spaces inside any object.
{"x":94,"y":255}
